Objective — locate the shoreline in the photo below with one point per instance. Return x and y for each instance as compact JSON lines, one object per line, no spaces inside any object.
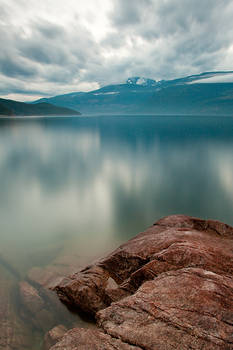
{"x":158,"y":290}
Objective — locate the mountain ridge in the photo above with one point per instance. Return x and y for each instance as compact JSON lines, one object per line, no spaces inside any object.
{"x":192,"y":94}
{"x":15,"y":108}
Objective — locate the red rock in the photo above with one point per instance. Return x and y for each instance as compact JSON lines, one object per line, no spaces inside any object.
{"x":36,"y":308}
{"x":88,"y":339}
{"x":30,"y":297}
{"x":190,"y":306}
{"x":169,"y":287}
{"x":45,"y":320}
{"x":53,"y":336}
{"x":85,"y":289}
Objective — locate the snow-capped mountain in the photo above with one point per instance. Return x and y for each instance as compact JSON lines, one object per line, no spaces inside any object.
{"x":208,"y":93}
{"x":141,"y":81}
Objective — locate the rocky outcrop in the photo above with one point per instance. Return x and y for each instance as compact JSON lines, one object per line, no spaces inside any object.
{"x":81,"y":338}
{"x":170,"y":287}
{"x":191,"y":307}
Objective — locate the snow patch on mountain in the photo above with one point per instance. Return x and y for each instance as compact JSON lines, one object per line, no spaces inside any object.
{"x":141,"y":81}
{"x":106,"y":93}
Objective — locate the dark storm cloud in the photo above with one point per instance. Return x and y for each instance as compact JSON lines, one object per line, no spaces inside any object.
{"x":13,"y":68}
{"x":11,"y":63}
{"x":42,"y":52}
{"x":59,"y":48}
{"x":45,"y":45}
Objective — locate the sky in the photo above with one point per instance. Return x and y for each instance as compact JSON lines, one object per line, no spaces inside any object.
{"x":52,"y":47}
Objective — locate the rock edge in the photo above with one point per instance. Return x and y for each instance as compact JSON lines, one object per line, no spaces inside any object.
{"x":169,"y":287}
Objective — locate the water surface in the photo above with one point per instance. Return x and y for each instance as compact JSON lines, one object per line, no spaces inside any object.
{"x":81,"y":186}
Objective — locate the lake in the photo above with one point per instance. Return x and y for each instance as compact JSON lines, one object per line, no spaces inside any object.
{"x":74,"y":188}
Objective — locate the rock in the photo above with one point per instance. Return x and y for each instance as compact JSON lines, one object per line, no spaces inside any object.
{"x":53,"y":336}
{"x":190,"y":306}
{"x":87,"y":339}
{"x":30,"y":297}
{"x":40,"y":307}
{"x":86,"y":289}
{"x":45,"y":277}
{"x":45,"y":320}
{"x":170,"y":287}
{"x":113,"y":292}
{"x":14,"y":334}
{"x":51,"y":275}
{"x":172,"y":243}
{"x":36,"y":309}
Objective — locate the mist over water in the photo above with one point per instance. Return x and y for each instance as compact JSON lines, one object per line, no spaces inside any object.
{"x":84,"y":185}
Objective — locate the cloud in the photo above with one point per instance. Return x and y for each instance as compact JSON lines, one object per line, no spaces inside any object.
{"x":15,"y":68}
{"x":54,"y":48}
{"x":178,"y":36}
{"x":44,"y":57}
{"x":49,"y":30}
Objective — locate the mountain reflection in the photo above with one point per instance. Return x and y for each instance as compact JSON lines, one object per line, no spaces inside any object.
{"x":105,"y":179}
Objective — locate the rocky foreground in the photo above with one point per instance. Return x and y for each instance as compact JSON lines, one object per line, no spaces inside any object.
{"x":170,"y":287}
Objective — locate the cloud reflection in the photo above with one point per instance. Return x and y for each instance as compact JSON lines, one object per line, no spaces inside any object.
{"x":102,"y":180}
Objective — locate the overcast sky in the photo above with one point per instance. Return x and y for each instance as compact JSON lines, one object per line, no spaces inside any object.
{"x":51,"y":47}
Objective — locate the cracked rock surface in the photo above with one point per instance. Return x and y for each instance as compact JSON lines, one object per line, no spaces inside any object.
{"x":170,"y":287}
{"x":81,"y":338}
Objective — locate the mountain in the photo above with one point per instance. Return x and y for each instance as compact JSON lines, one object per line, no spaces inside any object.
{"x":14,"y":108}
{"x":209,"y":93}
{"x":4,"y":110}
{"x":141,"y":81}
{"x":119,"y":98}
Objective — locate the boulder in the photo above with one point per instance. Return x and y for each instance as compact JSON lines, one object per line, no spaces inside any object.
{"x":170,"y":287}
{"x":36,"y":308}
{"x":30,"y":298}
{"x":53,"y":336}
{"x":85,"y":289}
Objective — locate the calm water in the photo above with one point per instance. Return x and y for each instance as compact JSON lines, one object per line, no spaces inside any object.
{"x":78,"y":187}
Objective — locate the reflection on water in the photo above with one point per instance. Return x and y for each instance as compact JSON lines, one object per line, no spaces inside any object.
{"x":81,"y":186}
